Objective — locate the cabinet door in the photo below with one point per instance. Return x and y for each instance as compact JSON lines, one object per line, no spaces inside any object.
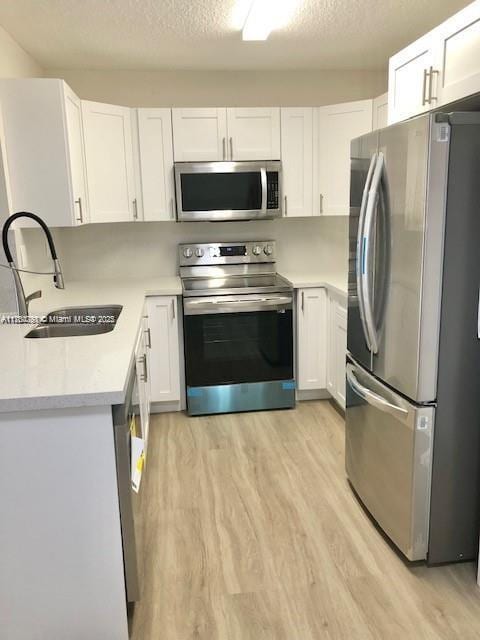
{"x":297,"y":160}
{"x":380,"y":112}
{"x":164,"y":355}
{"x":340,"y":352}
{"x":109,"y":160}
{"x":73,"y":117}
{"x":156,"y":163}
{"x":253,"y":133}
{"x":199,"y":134}
{"x":337,"y":125}
{"x":36,"y":143}
{"x":311,"y":338}
{"x":457,"y":55}
{"x":409,"y":80}
{"x":5,"y":194}
{"x":141,"y":369}
{"x":331,"y":346}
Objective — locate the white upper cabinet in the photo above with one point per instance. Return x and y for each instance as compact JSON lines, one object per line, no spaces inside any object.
{"x":439,"y":68}
{"x":335,"y":127}
{"x":311,"y":338}
{"x":44,"y":145}
{"x":199,"y":134}
{"x":253,"y":133}
{"x":380,"y":112}
{"x":297,"y":160}
{"x":226,"y":134}
{"x":156,"y":163}
{"x":411,"y":81}
{"x":73,"y":113}
{"x":109,"y":156}
{"x":457,"y":55}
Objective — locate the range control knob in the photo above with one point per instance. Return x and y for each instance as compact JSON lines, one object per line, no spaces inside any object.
{"x":256,"y":250}
{"x":199,"y":252}
{"x":268,"y":250}
{"x":187,"y":252}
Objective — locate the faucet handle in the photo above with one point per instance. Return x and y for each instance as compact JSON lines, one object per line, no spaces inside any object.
{"x":33,"y":296}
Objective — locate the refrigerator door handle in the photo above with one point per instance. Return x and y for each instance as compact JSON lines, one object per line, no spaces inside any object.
{"x":366,"y":242}
{"x":373,"y":398}
{"x":360,"y":249}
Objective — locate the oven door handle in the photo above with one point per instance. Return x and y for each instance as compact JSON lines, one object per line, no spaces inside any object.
{"x":232,"y":306}
{"x":263,"y":179}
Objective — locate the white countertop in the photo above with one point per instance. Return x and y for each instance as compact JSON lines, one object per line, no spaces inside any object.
{"x":82,"y":370}
{"x":306,"y":281}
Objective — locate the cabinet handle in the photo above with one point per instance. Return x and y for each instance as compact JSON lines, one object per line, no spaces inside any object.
{"x":173,"y":309}
{"x":303,"y":300}
{"x":80,"y":210}
{"x":231,"y":148}
{"x":172,"y":209}
{"x":432,"y":72}
{"x":224,"y":148}
{"x":321,"y":203}
{"x":285,"y":204}
{"x":135,"y":209}
{"x":424,"y":90}
{"x":149,"y":334}
{"x":143,"y":361}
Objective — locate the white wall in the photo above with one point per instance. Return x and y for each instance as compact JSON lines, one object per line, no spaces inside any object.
{"x":136,"y":250}
{"x":15,"y":62}
{"x":223,"y":88}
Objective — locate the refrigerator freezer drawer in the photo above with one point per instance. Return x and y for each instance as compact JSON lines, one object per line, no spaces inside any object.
{"x":389,"y":459}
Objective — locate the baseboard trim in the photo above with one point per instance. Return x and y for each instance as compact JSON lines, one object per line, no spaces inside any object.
{"x":165,"y":407}
{"x":312,"y":394}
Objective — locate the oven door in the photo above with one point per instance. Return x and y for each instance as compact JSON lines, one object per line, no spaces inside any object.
{"x":227,"y":190}
{"x":239,"y":353}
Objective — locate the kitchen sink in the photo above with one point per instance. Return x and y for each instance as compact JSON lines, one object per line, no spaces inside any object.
{"x":77,"y":321}
{"x":107,"y":314}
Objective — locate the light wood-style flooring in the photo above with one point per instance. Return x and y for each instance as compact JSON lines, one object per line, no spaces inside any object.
{"x":252,"y":533}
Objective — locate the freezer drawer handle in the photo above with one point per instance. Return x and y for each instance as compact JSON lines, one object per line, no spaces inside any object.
{"x":372,"y":398}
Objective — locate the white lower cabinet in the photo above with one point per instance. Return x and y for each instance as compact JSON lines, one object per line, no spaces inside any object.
{"x":321,"y":342}
{"x":311,"y":338}
{"x":337,"y":348}
{"x":143,"y":380}
{"x":163,"y":342}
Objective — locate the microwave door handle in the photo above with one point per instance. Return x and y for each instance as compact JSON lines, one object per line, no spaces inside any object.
{"x":263,"y":178}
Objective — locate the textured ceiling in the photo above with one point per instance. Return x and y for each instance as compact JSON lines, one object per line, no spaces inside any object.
{"x":167,"y":34}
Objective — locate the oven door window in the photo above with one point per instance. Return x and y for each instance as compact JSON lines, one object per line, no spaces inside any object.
{"x":237,"y":191}
{"x":233,"y":348}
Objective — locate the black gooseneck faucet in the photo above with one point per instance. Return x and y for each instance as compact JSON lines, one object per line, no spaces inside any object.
{"x":22,"y":301}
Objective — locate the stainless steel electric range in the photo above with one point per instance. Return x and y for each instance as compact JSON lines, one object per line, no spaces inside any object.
{"x":238,"y":328}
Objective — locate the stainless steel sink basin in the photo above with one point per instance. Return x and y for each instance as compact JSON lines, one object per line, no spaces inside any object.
{"x":78,"y":321}
{"x":102,"y":314}
{"x":67,"y":330}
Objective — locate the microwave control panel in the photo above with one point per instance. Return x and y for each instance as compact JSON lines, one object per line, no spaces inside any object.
{"x":272,"y":190}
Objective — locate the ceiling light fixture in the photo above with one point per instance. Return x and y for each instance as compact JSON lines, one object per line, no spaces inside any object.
{"x":265,"y":16}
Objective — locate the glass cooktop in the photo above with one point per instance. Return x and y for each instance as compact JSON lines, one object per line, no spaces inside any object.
{"x":229,"y":285}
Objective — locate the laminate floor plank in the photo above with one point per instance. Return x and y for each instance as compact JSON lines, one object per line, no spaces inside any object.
{"x":252,"y":532}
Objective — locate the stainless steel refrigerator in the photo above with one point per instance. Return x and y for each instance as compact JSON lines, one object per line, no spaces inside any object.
{"x":413,"y":362}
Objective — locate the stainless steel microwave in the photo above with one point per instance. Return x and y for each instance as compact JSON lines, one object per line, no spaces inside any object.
{"x":228,"y":190}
